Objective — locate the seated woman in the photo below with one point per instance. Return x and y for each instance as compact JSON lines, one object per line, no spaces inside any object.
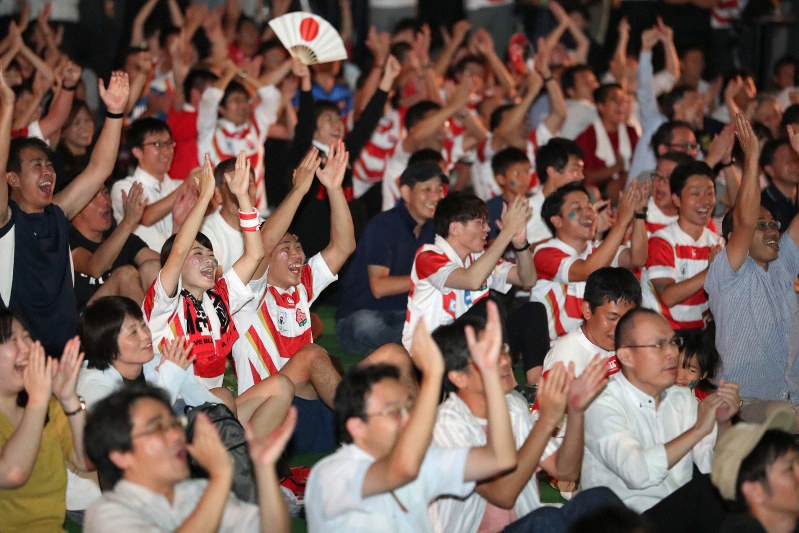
{"x":41,"y":428}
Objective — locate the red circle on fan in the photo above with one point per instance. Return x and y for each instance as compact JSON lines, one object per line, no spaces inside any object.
{"x":309,"y":29}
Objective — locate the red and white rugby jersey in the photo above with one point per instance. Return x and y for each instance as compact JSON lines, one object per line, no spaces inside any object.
{"x":213,"y":335}
{"x":278,"y":323}
{"x":398,"y":162}
{"x":435,"y":303}
{"x":655,"y":219}
{"x":675,"y":254}
{"x":562,"y":298}
{"x":370,"y":166}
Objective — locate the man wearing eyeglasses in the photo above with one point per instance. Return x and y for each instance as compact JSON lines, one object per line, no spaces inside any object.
{"x":643,"y":434}
{"x":150,"y":141}
{"x":750,"y":286}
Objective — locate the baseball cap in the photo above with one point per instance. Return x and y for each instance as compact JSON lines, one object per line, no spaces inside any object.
{"x":738,"y":442}
{"x":421,"y":171}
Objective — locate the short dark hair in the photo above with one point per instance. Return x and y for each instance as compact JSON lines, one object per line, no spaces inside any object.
{"x":568,"y":78}
{"x":769,"y":151}
{"x":674,"y":97}
{"x":497,"y":115}
{"x":680,"y":158}
{"x":699,"y":343}
{"x":451,"y":340}
{"x":425,"y":155}
{"x":165,"y":33}
{"x":790,"y":115}
{"x":400,"y":50}
{"x":166,"y":249}
{"x":142,"y":127}
{"x":228,"y":165}
{"x":457,"y":207}
{"x":99,"y":329}
{"x":197,"y":79}
{"x":408,"y":23}
{"x":626,"y":325}
{"x":555,"y":154}
{"x":460,"y":66}
{"x":681,"y":173}
{"x":324,"y":106}
{"x":611,"y":284}
{"x":352,"y":392}
{"x":232,"y":88}
{"x":603,"y":92}
{"x":506,"y":158}
{"x":554,"y":203}
{"x":109,"y":425}
{"x":417,"y":111}
{"x":771,"y":447}
{"x":19,"y":144}
{"x":665,"y":134}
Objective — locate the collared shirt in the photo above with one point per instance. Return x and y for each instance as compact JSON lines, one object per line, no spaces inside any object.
{"x":431,"y":300}
{"x":154,"y":190}
{"x":575,"y":348}
{"x":757,"y":323}
{"x":388,"y":241}
{"x":334,"y":501}
{"x":625,"y":438}
{"x":781,"y":208}
{"x":457,"y":426}
{"x":131,"y":508}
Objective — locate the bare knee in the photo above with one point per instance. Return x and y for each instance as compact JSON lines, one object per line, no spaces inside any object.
{"x":285,"y":385}
{"x":126,"y":274}
{"x":226,"y":397}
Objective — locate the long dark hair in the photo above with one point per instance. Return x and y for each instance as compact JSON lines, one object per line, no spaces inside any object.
{"x":7,"y":318}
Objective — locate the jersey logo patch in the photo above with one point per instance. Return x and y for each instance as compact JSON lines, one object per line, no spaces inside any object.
{"x":282,"y":321}
{"x":301,"y":318}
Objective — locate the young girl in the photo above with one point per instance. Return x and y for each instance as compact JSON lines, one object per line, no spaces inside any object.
{"x":41,"y":427}
{"x":187,"y":302}
{"x":698,"y":362}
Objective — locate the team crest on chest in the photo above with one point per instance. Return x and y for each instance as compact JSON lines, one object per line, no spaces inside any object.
{"x":301,"y":318}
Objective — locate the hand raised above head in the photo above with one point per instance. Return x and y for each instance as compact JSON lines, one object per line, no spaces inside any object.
{"x":116,"y":95}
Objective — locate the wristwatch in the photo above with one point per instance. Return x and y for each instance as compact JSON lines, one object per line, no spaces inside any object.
{"x":81,"y":407}
{"x":642,"y":214}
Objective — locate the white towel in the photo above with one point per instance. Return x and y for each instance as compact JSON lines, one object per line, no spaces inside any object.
{"x":604,"y":149}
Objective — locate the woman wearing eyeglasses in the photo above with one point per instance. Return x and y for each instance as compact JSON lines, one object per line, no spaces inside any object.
{"x":41,"y":427}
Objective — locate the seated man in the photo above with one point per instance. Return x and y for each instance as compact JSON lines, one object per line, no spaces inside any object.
{"x":36,"y":280}
{"x":609,"y":294}
{"x":644,"y":434}
{"x":140,"y":450}
{"x":565,"y":262}
{"x":386,"y":474}
{"x":680,"y":253}
{"x":375,"y":290}
{"x":512,"y":499}
{"x":750,"y":288}
{"x":111,"y":263}
{"x":455,"y":272}
{"x":755,"y":466}
{"x":150,"y":142}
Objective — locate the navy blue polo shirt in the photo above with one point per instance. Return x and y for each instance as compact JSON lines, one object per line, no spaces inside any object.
{"x":388,"y":240}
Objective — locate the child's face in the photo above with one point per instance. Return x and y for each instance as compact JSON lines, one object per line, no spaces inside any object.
{"x":199,"y":269}
{"x":516,"y":179}
{"x":237,"y":108}
{"x":688,"y":375}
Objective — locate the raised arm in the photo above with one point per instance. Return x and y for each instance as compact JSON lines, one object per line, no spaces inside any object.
{"x":451,"y":44}
{"x":666,"y":36}
{"x":430,"y":124}
{"x":499,"y":453}
{"x":170,"y":273}
{"x":402,"y":465}
{"x":239,"y":185}
{"x":747,"y":205}
{"x":6,"y":112}
{"x":59,"y":110}
{"x":484,"y":44}
{"x":19,"y":453}
{"x":137,"y":30}
{"x":97,"y":263}
{"x":342,"y":233}
{"x":514,"y":220}
{"x":65,"y":379}
{"x":78,"y":193}
{"x":635,"y":256}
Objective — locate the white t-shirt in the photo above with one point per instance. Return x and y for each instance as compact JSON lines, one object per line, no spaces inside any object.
{"x":574,"y":347}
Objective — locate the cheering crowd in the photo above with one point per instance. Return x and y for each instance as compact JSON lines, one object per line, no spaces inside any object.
{"x":597,"y":216}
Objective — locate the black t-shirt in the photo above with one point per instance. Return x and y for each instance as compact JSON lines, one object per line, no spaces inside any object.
{"x":85,"y":285}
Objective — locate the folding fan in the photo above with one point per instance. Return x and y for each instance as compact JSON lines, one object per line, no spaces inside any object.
{"x":309,"y":37}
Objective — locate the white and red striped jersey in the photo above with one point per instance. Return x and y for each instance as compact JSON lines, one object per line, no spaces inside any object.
{"x":562,"y":298}
{"x":278,"y":323}
{"x":398,"y":162}
{"x":676,"y":255}
{"x":435,"y":303}
{"x":655,"y":219}
{"x":370,"y":166}
{"x":575,"y":348}
{"x":223,"y":139}
{"x":725,"y":13}
{"x":211,"y":330}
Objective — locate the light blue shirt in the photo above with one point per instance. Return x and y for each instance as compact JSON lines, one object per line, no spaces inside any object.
{"x":757,"y":323}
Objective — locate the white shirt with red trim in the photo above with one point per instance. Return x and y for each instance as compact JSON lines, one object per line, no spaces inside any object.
{"x":675,"y":254}
{"x":370,"y":166}
{"x":562,"y":298}
{"x":656,"y":219}
{"x":435,"y":303}
{"x":212,"y":336}
{"x":31,"y":130}
{"x":575,"y":348}
{"x":537,"y":229}
{"x":276,"y":325}
{"x":223,"y":139}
